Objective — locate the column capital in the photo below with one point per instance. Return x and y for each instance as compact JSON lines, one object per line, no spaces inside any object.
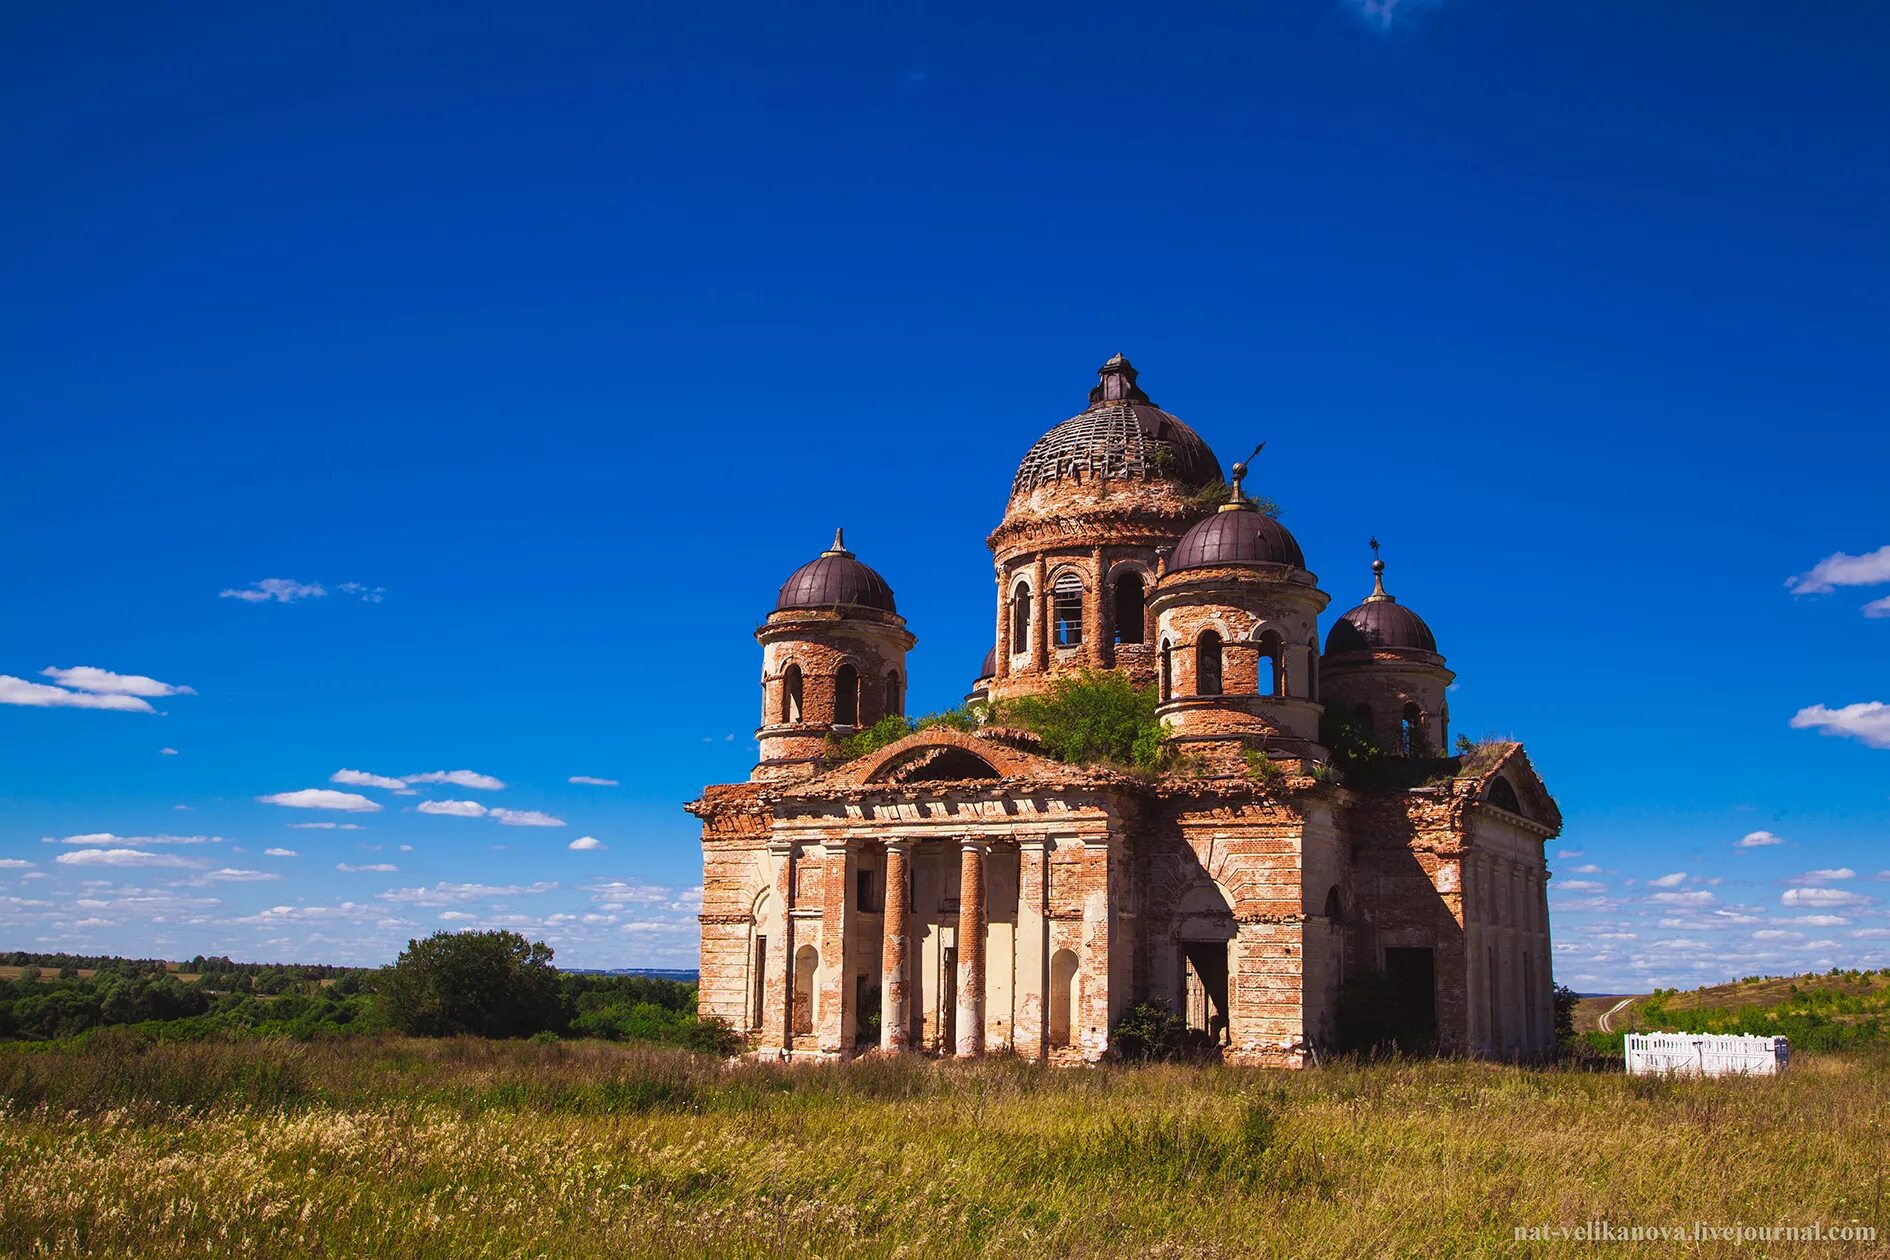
{"x":974,"y":844}
{"x":1033,"y":844}
{"x":899,"y":844}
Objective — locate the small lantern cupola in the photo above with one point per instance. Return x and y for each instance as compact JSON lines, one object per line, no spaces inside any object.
{"x":1383,"y":675}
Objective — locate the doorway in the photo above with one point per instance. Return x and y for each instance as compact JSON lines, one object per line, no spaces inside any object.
{"x":1204,"y":981}
{"x":1413,"y":976}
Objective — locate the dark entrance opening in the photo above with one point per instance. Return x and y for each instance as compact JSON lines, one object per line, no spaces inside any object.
{"x":947,"y":1022}
{"x":1205,"y":982}
{"x":1413,"y":977}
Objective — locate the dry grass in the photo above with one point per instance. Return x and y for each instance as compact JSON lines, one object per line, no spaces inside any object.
{"x":468,"y":1148}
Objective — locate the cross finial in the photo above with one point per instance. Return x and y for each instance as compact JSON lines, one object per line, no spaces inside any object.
{"x":1237,"y":498}
{"x":1378,"y":577}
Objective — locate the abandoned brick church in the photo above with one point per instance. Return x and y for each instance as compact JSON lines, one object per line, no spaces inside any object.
{"x":963,"y":893}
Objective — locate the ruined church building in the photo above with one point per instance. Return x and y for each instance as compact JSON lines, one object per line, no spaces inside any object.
{"x":963,"y":893}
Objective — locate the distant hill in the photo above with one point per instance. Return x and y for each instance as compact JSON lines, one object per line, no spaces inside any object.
{"x":1819,"y":1011}
{"x":685,"y":975}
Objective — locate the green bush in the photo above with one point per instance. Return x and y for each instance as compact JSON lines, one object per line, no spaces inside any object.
{"x":1149,"y":1033}
{"x":492,"y":984}
{"x":1093,"y":716}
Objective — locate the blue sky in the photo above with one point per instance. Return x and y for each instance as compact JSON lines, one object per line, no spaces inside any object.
{"x":546,"y":340}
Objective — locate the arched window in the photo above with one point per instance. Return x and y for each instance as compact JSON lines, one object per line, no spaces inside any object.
{"x":846,"y":696}
{"x":1335,"y":905}
{"x":895,"y":697}
{"x":1066,"y":609}
{"x":1503,"y":796}
{"x":1131,"y":595}
{"x":1062,"y":996}
{"x":791,"y":694}
{"x":1168,"y":671}
{"x":1207,"y":664}
{"x":1312,"y":669}
{"x":1411,"y":731}
{"x":1270,"y":665}
{"x":806,"y":963}
{"x":1020,"y":619}
{"x":1362,"y":721}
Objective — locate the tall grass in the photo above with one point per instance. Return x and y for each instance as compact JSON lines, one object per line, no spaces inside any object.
{"x":394,"y":1147}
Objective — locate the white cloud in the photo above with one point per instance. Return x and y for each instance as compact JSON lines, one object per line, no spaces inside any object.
{"x":1669,"y":881}
{"x":373,"y":866}
{"x":1822,"y":920}
{"x":586,"y":844}
{"x":1839,"y":569}
{"x":1567,"y":885}
{"x":34,"y":695}
{"x":443,"y":893}
{"x":14,"y":864}
{"x":167,"y":752}
{"x":1822,"y":898}
{"x":1759,"y":840}
{"x":369,"y":594}
{"x":322,"y":798}
{"x":1830,"y":875}
{"x":1777,"y":934}
{"x":105,"y":683}
{"x":459,"y":778}
{"x":456,"y":916}
{"x":1868,"y":721}
{"x":282,"y":590}
{"x":122,"y":857}
{"x":453,"y":809}
{"x":1383,"y":15}
{"x":280,"y":853}
{"x":325,"y":826}
{"x":361,"y":778}
{"x":1878,"y":609}
{"x":231,"y":875}
{"x":1701,"y":898}
{"x":591,"y":780}
{"x":98,"y":839}
{"x":525,"y":818}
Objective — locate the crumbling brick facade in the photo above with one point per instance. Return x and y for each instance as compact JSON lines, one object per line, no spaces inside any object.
{"x":962,"y":893}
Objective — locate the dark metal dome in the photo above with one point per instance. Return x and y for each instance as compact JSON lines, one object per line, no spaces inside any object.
{"x":1241,"y":536}
{"x":835,"y":578}
{"x":989,"y":669}
{"x":1121,"y":436}
{"x":1380,"y":622}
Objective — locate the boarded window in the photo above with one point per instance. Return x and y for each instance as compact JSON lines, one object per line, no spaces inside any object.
{"x":1062,"y":996}
{"x":1168,"y":670}
{"x":758,"y":986}
{"x":1020,"y":620}
{"x":846,"y":696}
{"x":806,"y":964}
{"x":1207,"y":664}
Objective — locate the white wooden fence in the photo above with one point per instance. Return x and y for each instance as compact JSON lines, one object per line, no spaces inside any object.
{"x":1705,"y":1054}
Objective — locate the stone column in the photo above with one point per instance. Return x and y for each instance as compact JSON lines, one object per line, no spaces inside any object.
{"x":777,"y":1003}
{"x":1033,"y":958}
{"x":833,"y":1014}
{"x":1040,"y":616}
{"x":895,"y":1017}
{"x":971,"y":942}
{"x":1003,"y":662}
{"x":1095,"y":651}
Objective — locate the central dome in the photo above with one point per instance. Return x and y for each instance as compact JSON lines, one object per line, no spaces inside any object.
{"x":1122,"y":436}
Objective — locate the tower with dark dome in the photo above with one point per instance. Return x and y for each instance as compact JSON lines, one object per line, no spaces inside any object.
{"x":1236,"y":627}
{"x":833,"y":660}
{"x":1093,"y":503}
{"x":1384,"y":677}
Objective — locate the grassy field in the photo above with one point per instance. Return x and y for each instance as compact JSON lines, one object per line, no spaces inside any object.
{"x":395,"y":1147}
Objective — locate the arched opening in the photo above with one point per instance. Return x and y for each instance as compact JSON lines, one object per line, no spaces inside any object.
{"x":1066,"y":609}
{"x":1335,"y":905}
{"x":1502,"y":794}
{"x":895,"y":694}
{"x":1131,"y":598}
{"x":1020,"y":619}
{"x":1167,"y":672}
{"x":1270,"y":665}
{"x":791,"y":694}
{"x":806,"y":963}
{"x":846,"y":697}
{"x":1207,"y":664}
{"x":1411,"y":742}
{"x":1062,"y":996}
{"x":1312,"y":670}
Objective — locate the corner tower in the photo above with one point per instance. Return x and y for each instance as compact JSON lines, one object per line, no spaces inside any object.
{"x":833,"y":659}
{"x":1236,"y":625}
{"x":1093,"y":504}
{"x":1383,"y":676}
